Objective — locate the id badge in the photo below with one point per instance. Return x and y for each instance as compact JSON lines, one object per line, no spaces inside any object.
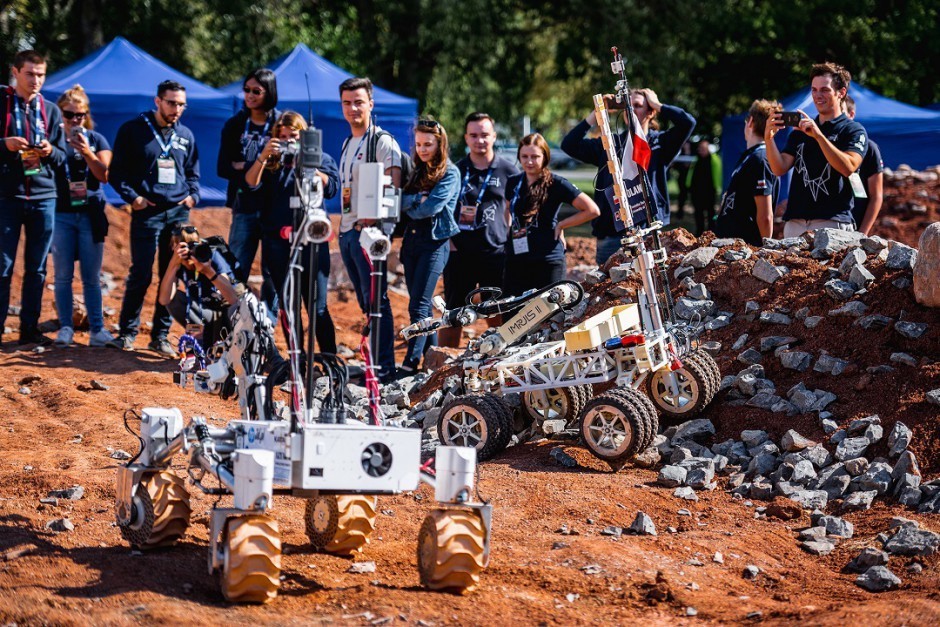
{"x":78,"y":193}
{"x":858,"y":189}
{"x":166,"y":172}
{"x":31,"y":162}
{"x":347,"y":199}
{"x":467,"y":218}
{"x":194,"y":329}
{"x":520,"y":242}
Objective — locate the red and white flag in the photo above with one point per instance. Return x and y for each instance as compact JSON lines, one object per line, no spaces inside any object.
{"x":636,"y":150}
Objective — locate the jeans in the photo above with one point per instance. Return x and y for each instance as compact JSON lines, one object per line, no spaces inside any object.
{"x":150,"y":236}
{"x":212,"y":320}
{"x":243,"y":238}
{"x":358,"y":268}
{"x":73,"y":240}
{"x":424,"y":260}
{"x":606,"y":247}
{"x":37,"y":219}
{"x":275,"y":256}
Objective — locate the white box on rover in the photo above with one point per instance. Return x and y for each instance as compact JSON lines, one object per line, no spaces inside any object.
{"x":354,"y":457}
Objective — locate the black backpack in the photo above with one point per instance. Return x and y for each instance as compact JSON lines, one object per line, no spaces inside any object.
{"x":218,"y":244}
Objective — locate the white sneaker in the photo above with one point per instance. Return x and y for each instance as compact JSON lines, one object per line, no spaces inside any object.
{"x":64,"y":336}
{"x":101,"y":338}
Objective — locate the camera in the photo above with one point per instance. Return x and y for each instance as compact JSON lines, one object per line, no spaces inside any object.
{"x":289,"y":151}
{"x":791,"y":118}
{"x":201,"y":251}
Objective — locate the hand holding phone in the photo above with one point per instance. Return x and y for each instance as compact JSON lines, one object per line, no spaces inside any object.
{"x":791,"y":118}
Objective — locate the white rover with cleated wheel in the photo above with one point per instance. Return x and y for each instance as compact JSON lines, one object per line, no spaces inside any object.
{"x":634,"y":347}
{"x":309,"y":451}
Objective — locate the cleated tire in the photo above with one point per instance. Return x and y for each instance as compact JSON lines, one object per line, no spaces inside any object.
{"x":647,"y":411}
{"x":613,"y":429}
{"x":708,"y":363}
{"x":162,"y":511}
{"x":506,"y":420}
{"x":695,"y":391}
{"x":450,"y":550}
{"x":251,"y":559}
{"x":471,"y":420}
{"x":563,"y":403}
{"x":340,"y":524}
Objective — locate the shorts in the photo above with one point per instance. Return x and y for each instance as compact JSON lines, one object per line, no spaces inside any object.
{"x":465,"y":271}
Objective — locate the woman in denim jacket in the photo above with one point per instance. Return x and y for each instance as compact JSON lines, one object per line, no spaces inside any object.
{"x":428,"y":202}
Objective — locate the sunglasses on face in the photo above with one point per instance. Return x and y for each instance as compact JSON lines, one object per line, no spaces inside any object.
{"x":72,"y":115}
{"x":257,"y":91}
{"x":186,"y":228}
{"x":433,"y":124}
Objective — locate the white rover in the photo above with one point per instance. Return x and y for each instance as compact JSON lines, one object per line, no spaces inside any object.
{"x":313,"y":453}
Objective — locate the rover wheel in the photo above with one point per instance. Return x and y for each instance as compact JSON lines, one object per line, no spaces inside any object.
{"x":470,"y":420}
{"x":160,"y":511}
{"x":694,"y":385}
{"x":646,"y":411}
{"x":554,"y":404}
{"x":450,"y":550}
{"x":712,"y":371}
{"x":251,"y":559}
{"x":612,"y":429}
{"x":506,"y":420}
{"x":340,"y":524}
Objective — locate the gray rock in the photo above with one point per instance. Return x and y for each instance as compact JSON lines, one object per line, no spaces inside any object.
{"x":621,"y":272}
{"x":693,"y":430}
{"x":877,"y":478}
{"x":857,"y":466}
{"x":903,"y":358}
{"x":837,"y":437}
{"x":813,"y":533}
{"x":672,"y":476}
{"x":699,"y":292}
{"x":853,"y":308}
{"x":762,"y":464}
{"x":850,"y":448}
{"x":771,"y":342}
{"x":829,"y":425}
{"x":828,"y":242}
{"x":683,"y":271}
{"x":858,"y":426}
{"x":796,"y":360}
{"x":831,"y":365}
{"x":612,"y":531}
{"x":859,"y":501}
{"x":812,"y":322}
{"x":933,"y":396}
{"x":699,"y":478}
{"x":120,"y":454}
{"x":774,"y":317}
{"x":740,"y":342}
{"x":643,"y":525}
{"x":855,"y":257}
{"x":74,"y":493}
{"x":753,"y":437}
{"x":810,"y":499}
{"x":595,"y":276}
{"x":818,"y":455}
{"x":735,"y":254}
{"x":766,"y":271}
{"x":751,"y":571}
{"x":839,"y":290}
{"x":793,"y":441}
{"x":721,"y":242}
{"x":878,"y":579}
{"x":837,"y":527}
{"x":700,"y":257}
{"x":761,"y":490}
{"x":718,"y":322}
{"x":906,"y":465}
{"x":910,"y":497}
{"x":874,"y":244}
{"x":931,"y":501}
{"x":803,"y":472}
{"x":873,"y":322}
{"x":874,"y":433}
{"x":686,"y":493}
{"x":750,"y":356}
{"x":901,"y":257}
{"x":803,"y":399}
{"x":60,"y":525}
{"x":361,"y":568}
{"x":911,"y":330}
{"x":860,"y":277}
{"x":688,"y":308}
{"x":869,"y":557}
{"x":751,"y":306}
{"x":818,"y":547}
{"x":902,"y":283}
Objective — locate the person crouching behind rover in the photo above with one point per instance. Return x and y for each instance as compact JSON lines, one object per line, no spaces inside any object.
{"x":207,"y":286}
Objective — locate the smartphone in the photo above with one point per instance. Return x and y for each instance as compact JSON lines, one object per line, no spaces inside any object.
{"x":791,"y":118}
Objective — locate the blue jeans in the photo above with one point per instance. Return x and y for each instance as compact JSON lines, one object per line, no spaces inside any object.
{"x":150,"y":237}
{"x":357,"y":266}
{"x":424,"y":260}
{"x":243,"y":238}
{"x":275,"y":256}
{"x":37,"y":219}
{"x":606,"y":247}
{"x":72,"y":240}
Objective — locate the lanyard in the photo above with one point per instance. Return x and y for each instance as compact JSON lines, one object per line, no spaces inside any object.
{"x":198,"y":289}
{"x":36,"y":128}
{"x":164,"y":147}
{"x":249,"y":140}
{"x":466,"y":183}
{"x":512,"y":203}
{"x":264,"y":131}
{"x":347,"y":173}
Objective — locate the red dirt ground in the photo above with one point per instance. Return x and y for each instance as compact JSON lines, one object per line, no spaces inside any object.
{"x":89,"y":576}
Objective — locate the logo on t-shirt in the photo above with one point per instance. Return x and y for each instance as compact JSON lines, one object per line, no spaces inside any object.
{"x":762,"y":184}
{"x":814,"y":185}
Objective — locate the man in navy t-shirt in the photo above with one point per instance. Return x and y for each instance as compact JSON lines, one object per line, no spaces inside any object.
{"x":871,"y":176}
{"x":747,"y":207}
{"x":823,"y":153}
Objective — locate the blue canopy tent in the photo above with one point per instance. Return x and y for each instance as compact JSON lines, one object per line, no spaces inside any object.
{"x":904,"y":133}
{"x":302,"y":67}
{"x":121,"y":81}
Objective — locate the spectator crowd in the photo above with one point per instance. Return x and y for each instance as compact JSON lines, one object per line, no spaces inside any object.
{"x":481,"y":222}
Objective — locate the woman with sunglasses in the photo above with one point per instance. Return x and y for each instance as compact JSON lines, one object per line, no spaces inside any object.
{"x":274,"y":175}
{"x":244,"y":136}
{"x":429,"y":199}
{"x":80,"y":224}
{"x":535,"y":252}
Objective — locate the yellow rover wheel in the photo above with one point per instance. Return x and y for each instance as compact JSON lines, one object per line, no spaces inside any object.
{"x":159,"y":511}
{"x":340,"y":524}
{"x":450,"y":550}
{"x":251,"y":559}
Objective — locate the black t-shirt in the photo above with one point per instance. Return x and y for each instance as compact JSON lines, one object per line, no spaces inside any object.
{"x":76,"y":169}
{"x":752,"y":177}
{"x":489,"y":232}
{"x":540,"y":231}
{"x":817,"y":190}
{"x":871,"y":165}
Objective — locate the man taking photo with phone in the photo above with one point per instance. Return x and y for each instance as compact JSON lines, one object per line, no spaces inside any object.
{"x":33,"y":148}
{"x":823,"y":153}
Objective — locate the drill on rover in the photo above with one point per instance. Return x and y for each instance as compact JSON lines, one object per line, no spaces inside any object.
{"x":637,"y":345}
{"x":306,"y":449}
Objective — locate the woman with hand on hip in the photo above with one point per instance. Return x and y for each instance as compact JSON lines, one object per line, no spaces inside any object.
{"x":80,"y":224}
{"x":429,"y":199}
{"x":535,"y":252}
